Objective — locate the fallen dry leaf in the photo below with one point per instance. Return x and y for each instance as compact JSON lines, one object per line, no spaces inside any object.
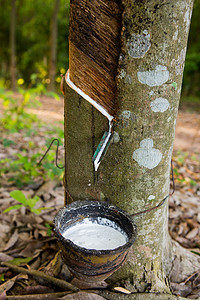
{"x":180,"y":289}
{"x":30,"y":249}
{"x":122,"y":290}
{"x":196,"y":281}
{"x":192,"y":233}
{"x":3,"y":295}
{"x":6,"y":286}
{"x":13,"y":239}
{"x":5,"y":257}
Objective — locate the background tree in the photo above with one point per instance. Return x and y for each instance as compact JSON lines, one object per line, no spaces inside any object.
{"x":52,"y":45}
{"x":135,"y":173}
{"x":32,"y":48}
{"x":13,"y":45}
{"x":191,"y":88}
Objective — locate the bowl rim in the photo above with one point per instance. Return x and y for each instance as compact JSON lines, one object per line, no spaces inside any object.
{"x":81,"y":203}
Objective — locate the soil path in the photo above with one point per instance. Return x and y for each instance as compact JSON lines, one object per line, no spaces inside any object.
{"x":187,"y":136}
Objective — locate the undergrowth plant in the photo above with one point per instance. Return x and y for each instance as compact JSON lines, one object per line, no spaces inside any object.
{"x":24,"y":170}
{"x":29,"y":203}
{"x":15,"y":116}
{"x":180,"y":160}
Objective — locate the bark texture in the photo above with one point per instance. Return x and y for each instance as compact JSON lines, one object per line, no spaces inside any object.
{"x":135,"y":173}
{"x":94,"y":48}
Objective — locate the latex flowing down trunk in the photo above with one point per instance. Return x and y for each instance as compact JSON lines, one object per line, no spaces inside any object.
{"x":135,"y":172}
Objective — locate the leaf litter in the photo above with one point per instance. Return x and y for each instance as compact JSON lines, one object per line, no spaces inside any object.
{"x":27,"y":240}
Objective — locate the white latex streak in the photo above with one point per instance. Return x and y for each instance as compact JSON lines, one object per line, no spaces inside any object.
{"x":86,"y":97}
{"x":97,"y":160}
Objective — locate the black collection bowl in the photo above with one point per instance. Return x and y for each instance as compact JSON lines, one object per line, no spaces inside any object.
{"x":90,"y":264}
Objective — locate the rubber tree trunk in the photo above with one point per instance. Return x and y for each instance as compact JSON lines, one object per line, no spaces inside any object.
{"x":53,"y":46}
{"x":13,"y":45}
{"x":135,"y":172}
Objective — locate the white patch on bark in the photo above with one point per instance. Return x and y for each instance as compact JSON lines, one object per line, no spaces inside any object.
{"x":175,"y":36}
{"x":147,"y":156}
{"x":147,"y":35}
{"x":151,"y":197}
{"x":159,"y":105}
{"x":179,"y":62}
{"x":138,"y":45}
{"x":128,"y":79}
{"x":125,"y":117}
{"x":169,"y":119}
{"x":122,"y":74}
{"x":115,"y":138}
{"x":126,"y":114}
{"x":187,"y":19}
{"x":151,"y":93}
{"x":154,"y":77}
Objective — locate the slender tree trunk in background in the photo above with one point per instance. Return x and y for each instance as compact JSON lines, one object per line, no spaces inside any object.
{"x":53,"y":46}
{"x":135,"y":172}
{"x":13,"y":45}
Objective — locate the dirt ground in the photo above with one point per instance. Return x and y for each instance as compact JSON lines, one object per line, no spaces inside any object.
{"x":187,"y":136}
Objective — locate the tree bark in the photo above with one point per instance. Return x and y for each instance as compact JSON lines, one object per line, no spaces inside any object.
{"x":135,"y":172}
{"x":13,"y":45}
{"x":53,"y":46}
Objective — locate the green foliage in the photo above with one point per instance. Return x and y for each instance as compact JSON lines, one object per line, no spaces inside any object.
{"x":182,"y":174}
{"x":2,"y":277}
{"x":32,"y":39}
{"x":15,"y":117}
{"x":23,"y":168}
{"x":53,"y":171}
{"x":27,"y":202}
{"x":181,"y":156}
{"x":191,"y":77}
{"x":20,"y":260}
{"x":49,"y":229}
{"x":7,"y":142}
{"x":195,"y":252}
{"x":174,"y":84}
{"x":32,"y":44}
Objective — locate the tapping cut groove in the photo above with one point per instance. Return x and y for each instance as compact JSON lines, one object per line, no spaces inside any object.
{"x":94,"y":46}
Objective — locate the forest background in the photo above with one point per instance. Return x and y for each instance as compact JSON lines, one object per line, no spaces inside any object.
{"x":35,"y":38}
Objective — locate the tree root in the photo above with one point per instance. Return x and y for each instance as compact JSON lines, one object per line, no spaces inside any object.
{"x":184,"y":263}
{"x":38,"y":274}
{"x":48,"y":296}
{"x":139,"y":296}
{"x":105,"y":294}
